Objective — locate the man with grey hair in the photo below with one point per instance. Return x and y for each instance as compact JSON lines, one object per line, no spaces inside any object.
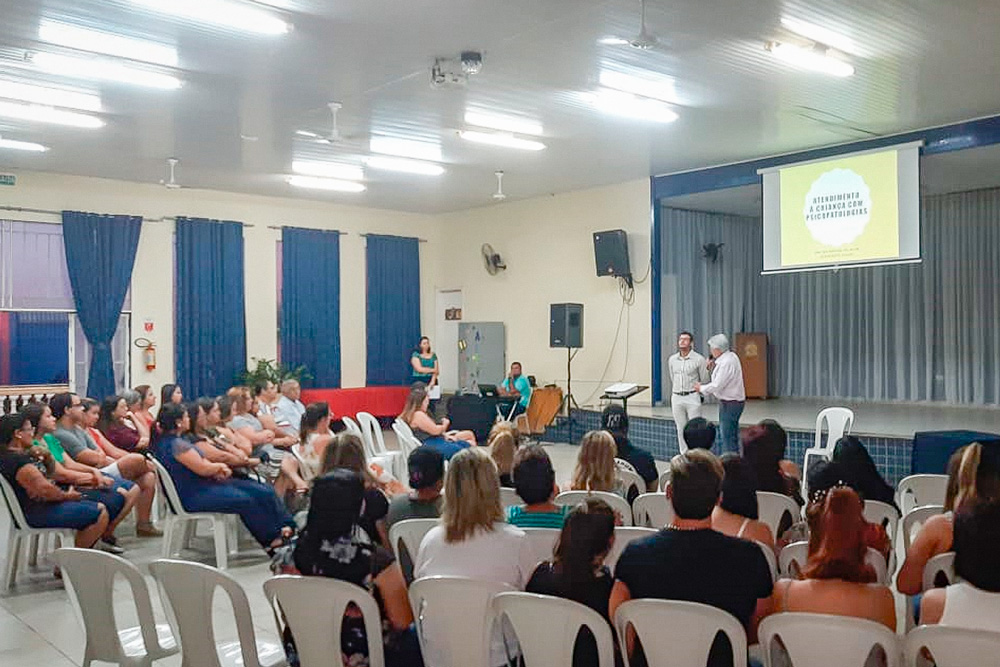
{"x":288,"y":409}
{"x":727,"y":387}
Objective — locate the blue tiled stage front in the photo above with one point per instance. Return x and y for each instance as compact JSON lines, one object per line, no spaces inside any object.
{"x":659,"y":436}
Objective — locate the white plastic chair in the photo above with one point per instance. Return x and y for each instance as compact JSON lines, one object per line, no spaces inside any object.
{"x":454,"y":619}
{"x":678,"y":633}
{"x":352,"y":427}
{"x":542,"y":541}
{"x":629,"y":479}
{"x":772,"y":560}
{"x":838,"y":424}
{"x":187,"y":591}
{"x":624,"y":535}
{"x":940,"y":565}
{"x":772,"y":507}
{"x":951,"y":646}
{"x":21,"y":536}
{"x":618,"y":504}
{"x":408,"y":534}
{"x":509,"y":497}
{"x":794,"y":556}
{"x":652,"y":510}
{"x":622,"y":464}
{"x":375,"y":442}
{"x":882,"y":514}
{"x":313,"y":608}
{"x":177,"y":518}
{"x":914,"y":520}
{"x":90,"y":581}
{"x":919,"y":490}
{"x":663,"y":480}
{"x":824,"y":640}
{"x":546,"y":628}
{"x":404,"y":435}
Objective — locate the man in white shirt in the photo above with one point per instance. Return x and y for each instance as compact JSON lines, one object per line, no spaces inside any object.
{"x":687,"y":368}
{"x":289,"y":408}
{"x":727,"y":386}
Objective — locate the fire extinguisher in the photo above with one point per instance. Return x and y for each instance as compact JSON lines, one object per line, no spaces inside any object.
{"x":148,"y":352}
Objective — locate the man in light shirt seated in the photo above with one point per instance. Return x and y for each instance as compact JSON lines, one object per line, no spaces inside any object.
{"x":289,"y":409}
{"x":687,"y":368}
{"x":515,"y":385}
{"x":727,"y":387}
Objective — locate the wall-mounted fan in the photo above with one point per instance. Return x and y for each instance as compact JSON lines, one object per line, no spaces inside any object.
{"x":492,"y":260}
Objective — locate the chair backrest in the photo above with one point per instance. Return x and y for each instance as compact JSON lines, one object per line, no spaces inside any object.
{"x":624,"y":535}
{"x":542,"y":542}
{"x":652,"y":510}
{"x":90,"y":575}
{"x":352,"y":427}
{"x":940,"y":566}
{"x":919,"y":490}
{"x":373,"y":431}
{"x":951,"y":646}
{"x":824,"y":640}
{"x":546,"y":628}
{"x":404,"y":435}
{"x":407,"y":535}
{"x":794,"y":556}
{"x":622,"y":464}
{"x":663,"y":480}
{"x":168,"y":488}
{"x":631,"y":479}
{"x":454,"y":619}
{"x":838,"y":424}
{"x":313,"y":608}
{"x":188,"y":589}
{"x":678,"y":633}
{"x":13,"y":506}
{"x":509,"y":497}
{"x":772,"y":560}
{"x":882,"y":514}
{"x":772,"y":508}
{"x":618,"y":504}
{"x":914,"y":520}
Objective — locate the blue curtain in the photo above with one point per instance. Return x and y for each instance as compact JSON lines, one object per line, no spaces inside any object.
{"x":100,"y":254}
{"x":210,"y":317}
{"x":393,"y":308}
{"x":310,"y":303}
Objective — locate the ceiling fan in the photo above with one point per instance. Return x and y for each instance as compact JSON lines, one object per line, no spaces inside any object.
{"x":171,"y":182}
{"x":333,"y":137}
{"x":499,"y":195}
{"x":644,"y":41}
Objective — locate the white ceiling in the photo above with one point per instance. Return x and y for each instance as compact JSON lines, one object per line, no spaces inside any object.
{"x":919,"y":64}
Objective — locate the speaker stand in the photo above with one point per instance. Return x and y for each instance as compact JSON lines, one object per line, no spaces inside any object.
{"x":569,"y":401}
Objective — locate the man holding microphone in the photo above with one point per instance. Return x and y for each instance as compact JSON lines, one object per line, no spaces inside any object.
{"x":727,"y":386}
{"x":687,"y":368}
{"x":516,"y":386}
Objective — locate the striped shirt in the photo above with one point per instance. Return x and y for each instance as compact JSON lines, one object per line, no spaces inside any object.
{"x":521,"y":518}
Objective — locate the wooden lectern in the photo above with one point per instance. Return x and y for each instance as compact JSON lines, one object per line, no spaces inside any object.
{"x":752,"y":351}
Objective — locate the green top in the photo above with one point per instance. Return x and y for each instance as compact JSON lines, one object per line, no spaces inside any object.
{"x":54,"y":446}
{"x":426,"y":364}
{"x":521,"y":518}
{"x":522,"y":386}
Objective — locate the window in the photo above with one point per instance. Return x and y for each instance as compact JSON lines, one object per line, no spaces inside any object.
{"x":41,"y":341}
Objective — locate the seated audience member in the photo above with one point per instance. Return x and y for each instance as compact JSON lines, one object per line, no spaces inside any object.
{"x":764,"y":449}
{"x":595,"y":465}
{"x":315,"y":434}
{"x":133,"y":402}
{"x":44,"y":503}
{"x":346,"y":451}
{"x":429,"y":432}
{"x":614,"y":420}
{"x":266,"y":397}
{"x":535,"y":481}
{"x":699,"y":433}
{"x":515,"y":385}
{"x":333,"y":545}
{"x":204,"y":486}
{"x":75,"y":433}
{"x":219,"y":424}
{"x":736,"y":514}
{"x":973,"y":477}
{"x":171,"y":393}
{"x":111,"y":424}
{"x":836,"y":580}
{"x":689,"y":561}
{"x":268,"y":446}
{"x":473,"y":540}
{"x":216,"y":448}
{"x":503,"y":443}
{"x":147,"y":399}
{"x":577,"y":571}
{"x":862,"y":473}
{"x":289,"y":408}
{"x":973,"y":602}
{"x":426,"y":481}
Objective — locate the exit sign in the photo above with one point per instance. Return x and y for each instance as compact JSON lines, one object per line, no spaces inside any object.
{"x":8,"y":179}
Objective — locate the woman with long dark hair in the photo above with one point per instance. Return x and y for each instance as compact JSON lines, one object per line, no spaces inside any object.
{"x":736,"y":514}
{"x":171,"y":393}
{"x":111,"y":423}
{"x":424,"y":363}
{"x":862,"y":473}
{"x":764,"y":449}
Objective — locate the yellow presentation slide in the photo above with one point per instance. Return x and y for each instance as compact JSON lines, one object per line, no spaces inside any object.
{"x":840,"y":210}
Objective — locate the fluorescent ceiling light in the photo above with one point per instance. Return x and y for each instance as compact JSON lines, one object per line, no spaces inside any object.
{"x":348,"y":172}
{"x":26,"y":92}
{"x":627,"y":105}
{"x":336,"y":185}
{"x":236,"y":15}
{"x":418,"y":150}
{"x":817,"y":59}
{"x":656,"y":87}
{"x":404,"y":165}
{"x":503,"y":123}
{"x":107,"y":43}
{"x":819,"y":34}
{"x":501,"y":139}
{"x":104,"y":70}
{"x":22,"y":145}
{"x":44,"y":114}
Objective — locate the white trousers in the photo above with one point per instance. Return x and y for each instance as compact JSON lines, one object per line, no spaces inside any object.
{"x":685,"y":408}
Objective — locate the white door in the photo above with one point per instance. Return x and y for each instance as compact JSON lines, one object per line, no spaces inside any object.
{"x":446,"y":336}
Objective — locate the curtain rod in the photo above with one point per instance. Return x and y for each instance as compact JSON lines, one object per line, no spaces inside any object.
{"x":364,"y":236}
{"x":44,"y":211}
{"x":316,"y":229}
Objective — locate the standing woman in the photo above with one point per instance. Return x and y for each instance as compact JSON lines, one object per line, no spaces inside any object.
{"x":147,"y":399}
{"x":424,"y":364}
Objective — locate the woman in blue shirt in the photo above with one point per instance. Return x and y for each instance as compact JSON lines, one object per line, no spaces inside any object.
{"x":424,"y":364}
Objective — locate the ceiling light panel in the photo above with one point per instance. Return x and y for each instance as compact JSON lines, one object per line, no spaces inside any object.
{"x":418,"y":150}
{"x":57,"y":97}
{"x":820,"y":34}
{"x":627,"y":105}
{"x":502,"y":139}
{"x":232,"y":14}
{"x":348,"y":172}
{"x":103,"y":70}
{"x":98,"y":41}
{"x":43,"y":114}
{"x":404,"y":165}
{"x":503,"y":123}
{"x":646,"y":84}
{"x":29,"y":146}
{"x":817,"y":59}
{"x":331,"y":184}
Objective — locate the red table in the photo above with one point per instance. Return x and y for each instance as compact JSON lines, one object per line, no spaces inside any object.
{"x":379,"y":401}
